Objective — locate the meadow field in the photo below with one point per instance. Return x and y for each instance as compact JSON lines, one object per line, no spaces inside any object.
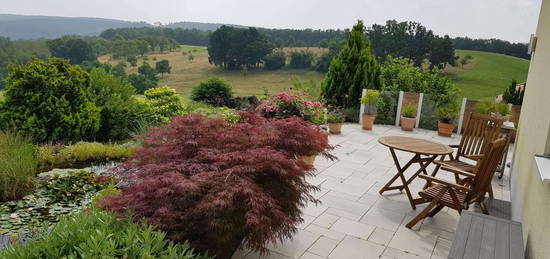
{"x":188,"y":73}
{"x":488,"y":74}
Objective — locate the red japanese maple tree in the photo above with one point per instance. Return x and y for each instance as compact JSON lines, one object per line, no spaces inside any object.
{"x":215,"y":183}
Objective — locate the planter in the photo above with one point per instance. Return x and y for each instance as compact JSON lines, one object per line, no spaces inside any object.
{"x":368,"y":121}
{"x":407,"y":124}
{"x":335,"y":128}
{"x":445,"y":129}
{"x":309,"y":160}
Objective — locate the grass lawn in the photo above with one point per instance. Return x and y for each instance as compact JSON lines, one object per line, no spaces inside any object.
{"x":488,"y":74}
{"x":186,"y":74}
{"x":194,"y":49}
{"x":485,"y":77}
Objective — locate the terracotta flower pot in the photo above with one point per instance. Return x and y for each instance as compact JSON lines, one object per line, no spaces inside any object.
{"x":309,"y":160}
{"x":407,"y":124}
{"x":445,"y":129}
{"x":335,"y":128}
{"x":368,"y":121}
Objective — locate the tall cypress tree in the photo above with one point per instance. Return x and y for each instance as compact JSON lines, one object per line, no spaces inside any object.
{"x":354,"y":69}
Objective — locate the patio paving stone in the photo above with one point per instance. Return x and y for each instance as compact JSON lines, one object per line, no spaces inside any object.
{"x":354,"y":221}
{"x":352,"y":247}
{"x":352,"y":228}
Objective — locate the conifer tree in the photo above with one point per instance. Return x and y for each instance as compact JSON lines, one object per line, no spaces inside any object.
{"x":354,"y":69}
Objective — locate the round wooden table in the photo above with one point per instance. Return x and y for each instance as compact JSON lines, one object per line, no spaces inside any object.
{"x":419,"y":147}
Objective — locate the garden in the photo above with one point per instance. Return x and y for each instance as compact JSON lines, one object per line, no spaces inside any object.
{"x":91,"y":169}
{"x":88,"y":168}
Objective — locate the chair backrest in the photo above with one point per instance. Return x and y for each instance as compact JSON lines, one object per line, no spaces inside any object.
{"x":485,"y":169}
{"x":480,"y":131}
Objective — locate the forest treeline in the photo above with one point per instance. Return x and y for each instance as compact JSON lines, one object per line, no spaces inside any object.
{"x":308,"y":38}
{"x":493,"y":45}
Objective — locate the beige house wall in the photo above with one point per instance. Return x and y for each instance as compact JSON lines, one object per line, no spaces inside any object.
{"x":531,"y":198}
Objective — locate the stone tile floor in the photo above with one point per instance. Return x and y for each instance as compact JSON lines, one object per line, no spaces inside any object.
{"x":354,"y":221}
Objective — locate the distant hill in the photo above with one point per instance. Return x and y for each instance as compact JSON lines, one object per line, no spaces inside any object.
{"x":33,"y":27}
{"x":201,"y":26}
{"x":488,"y":74}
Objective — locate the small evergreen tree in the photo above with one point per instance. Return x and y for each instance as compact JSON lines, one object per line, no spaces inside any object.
{"x":50,"y":100}
{"x":514,"y":94}
{"x":354,"y":69}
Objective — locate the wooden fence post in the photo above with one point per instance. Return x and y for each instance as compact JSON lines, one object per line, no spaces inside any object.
{"x":461,"y":118}
{"x":362,"y":109}
{"x":419,"y":110}
{"x":399,"y":105}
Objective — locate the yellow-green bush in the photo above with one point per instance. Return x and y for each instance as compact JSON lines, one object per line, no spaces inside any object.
{"x":81,"y":154}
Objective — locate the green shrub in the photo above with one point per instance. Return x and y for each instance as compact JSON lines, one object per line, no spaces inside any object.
{"x":98,"y":234}
{"x":275,"y":60}
{"x":18,"y":161}
{"x":399,"y":74}
{"x":409,"y":111}
{"x":164,"y":103}
{"x":80,"y":155}
{"x":50,"y":101}
{"x":213,"y":91}
{"x":121,"y":112}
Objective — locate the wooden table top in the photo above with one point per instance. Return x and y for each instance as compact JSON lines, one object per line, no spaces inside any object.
{"x":415,"y":145}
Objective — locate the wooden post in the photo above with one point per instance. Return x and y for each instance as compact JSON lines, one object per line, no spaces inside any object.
{"x":399,"y":105}
{"x":419,"y":110}
{"x":362,"y":109}
{"x":461,"y":118}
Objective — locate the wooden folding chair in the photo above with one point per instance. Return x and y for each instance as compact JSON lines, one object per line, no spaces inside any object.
{"x":480,"y":130}
{"x":441,"y":193}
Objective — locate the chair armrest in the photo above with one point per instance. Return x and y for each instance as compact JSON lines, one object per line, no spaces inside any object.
{"x":443,"y":182}
{"x":457,"y":171}
{"x":474,"y":157}
{"x":454,"y":146}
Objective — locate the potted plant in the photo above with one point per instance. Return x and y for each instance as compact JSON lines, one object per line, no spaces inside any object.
{"x":496,"y":109}
{"x":408,"y":117}
{"x":447,"y":114}
{"x":335,"y":119}
{"x":371,"y":101}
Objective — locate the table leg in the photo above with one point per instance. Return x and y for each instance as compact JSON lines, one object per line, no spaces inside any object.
{"x":400,"y":174}
{"x":399,"y":169}
{"x":422,"y":167}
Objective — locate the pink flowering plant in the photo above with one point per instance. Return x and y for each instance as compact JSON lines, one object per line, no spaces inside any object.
{"x":292,"y":104}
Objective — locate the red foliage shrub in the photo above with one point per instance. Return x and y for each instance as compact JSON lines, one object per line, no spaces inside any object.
{"x":214,"y":183}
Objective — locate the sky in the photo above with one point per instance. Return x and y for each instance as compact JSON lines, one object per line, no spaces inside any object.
{"x":512,"y":20}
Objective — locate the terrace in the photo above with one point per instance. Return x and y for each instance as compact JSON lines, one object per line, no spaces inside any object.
{"x":354,"y":220}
